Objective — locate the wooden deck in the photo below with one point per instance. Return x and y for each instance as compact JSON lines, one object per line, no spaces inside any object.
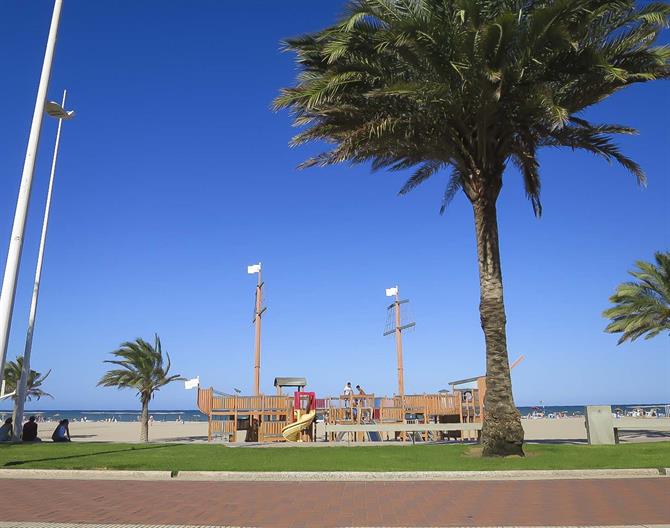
{"x":435,"y":416}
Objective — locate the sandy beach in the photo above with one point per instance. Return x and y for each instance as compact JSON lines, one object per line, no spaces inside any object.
{"x":541,"y":429}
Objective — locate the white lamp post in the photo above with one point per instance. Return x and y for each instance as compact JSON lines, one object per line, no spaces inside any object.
{"x":58,"y":111}
{"x":19,"y":226}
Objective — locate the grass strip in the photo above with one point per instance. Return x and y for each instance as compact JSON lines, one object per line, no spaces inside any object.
{"x":204,"y":457}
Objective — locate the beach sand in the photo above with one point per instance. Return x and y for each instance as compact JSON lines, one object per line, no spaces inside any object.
{"x":541,"y":429}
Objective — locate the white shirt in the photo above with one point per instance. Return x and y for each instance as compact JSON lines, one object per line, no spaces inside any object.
{"x":348,"y":391}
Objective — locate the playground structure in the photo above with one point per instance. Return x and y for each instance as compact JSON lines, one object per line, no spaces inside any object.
{"x":277,"y":418}
{"x":457,"y":413}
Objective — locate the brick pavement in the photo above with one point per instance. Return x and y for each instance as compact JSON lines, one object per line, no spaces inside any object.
{"x":330,"y":504}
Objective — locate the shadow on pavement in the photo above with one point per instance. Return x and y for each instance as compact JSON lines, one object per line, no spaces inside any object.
{"x":559,"y":441}
{"x":627,"y":435}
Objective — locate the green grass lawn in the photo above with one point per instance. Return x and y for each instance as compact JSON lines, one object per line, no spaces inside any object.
{"x":181,"y":457}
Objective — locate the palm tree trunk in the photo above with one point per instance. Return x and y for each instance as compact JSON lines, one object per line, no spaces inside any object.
{"x":144,"y":419}
{"x":502,"y":432}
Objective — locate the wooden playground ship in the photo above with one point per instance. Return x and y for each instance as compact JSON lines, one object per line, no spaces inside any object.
{"x":449,"y":414}
{"x":457,"y":414}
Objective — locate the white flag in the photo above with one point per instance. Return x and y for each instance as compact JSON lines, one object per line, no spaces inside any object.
{"x":192,"y":383}
{"x":390,"y":292}
{"x":255,"y":268}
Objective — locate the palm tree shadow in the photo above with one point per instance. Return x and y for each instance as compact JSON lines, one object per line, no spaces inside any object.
{"x":69,"y":457}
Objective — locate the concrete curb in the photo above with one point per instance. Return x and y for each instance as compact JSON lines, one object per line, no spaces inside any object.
{"x":333,"y":476}
{"x":28,"y":524}
{"x":83,"y":474}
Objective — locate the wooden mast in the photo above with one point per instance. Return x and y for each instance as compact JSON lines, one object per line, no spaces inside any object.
{"x":258,"y":312}
{"x":397,"y":329}
{"x":398,"y":346}
{"x":257,"y":342}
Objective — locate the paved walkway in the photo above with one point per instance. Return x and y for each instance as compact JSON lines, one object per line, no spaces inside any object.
{"x":328,"y":504}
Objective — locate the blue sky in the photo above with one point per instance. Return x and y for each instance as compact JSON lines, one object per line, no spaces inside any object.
{"x":176,"y":175}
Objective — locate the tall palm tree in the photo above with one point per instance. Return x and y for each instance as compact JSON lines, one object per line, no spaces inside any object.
{"x":141,"y":369}
{"x":472,"y":86}
{"x":642,"y":307}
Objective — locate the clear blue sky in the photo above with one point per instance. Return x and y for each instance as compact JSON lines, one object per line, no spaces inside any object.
{"x":176,"y":175}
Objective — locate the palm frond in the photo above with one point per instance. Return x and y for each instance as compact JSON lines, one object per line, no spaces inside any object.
{"x":143,"y":368}
{"x":420,"y":84}
{"x":642,"y":307}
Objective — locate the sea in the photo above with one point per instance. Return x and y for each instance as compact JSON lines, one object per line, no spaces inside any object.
{"x":192,"y":415}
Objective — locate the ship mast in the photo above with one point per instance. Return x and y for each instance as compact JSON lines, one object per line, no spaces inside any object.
{"x":397,"y":328}
{"x":258,"y":312}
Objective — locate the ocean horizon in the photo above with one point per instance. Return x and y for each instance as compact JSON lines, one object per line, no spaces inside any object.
{"x":193,"y":415}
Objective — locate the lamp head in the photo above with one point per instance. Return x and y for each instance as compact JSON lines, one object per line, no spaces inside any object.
{"x":56,"y":110}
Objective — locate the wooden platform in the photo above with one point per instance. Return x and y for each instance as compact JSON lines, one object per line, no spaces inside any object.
{"x":262,"y":418}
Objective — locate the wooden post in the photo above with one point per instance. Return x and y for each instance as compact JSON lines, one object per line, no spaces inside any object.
{"x":398,"y":346}
{"x":395,"y":326}
{"x":257,"y":347}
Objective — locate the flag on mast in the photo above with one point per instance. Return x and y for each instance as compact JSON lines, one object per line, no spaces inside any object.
{"x":192,"y":383}
{"x":254,"y":268}
{"x":390,"y":292}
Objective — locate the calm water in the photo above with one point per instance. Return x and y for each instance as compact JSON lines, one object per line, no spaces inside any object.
{"x":118,"y":416}
{"x":197,"y":416}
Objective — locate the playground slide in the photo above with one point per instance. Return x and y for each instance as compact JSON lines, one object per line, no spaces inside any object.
{"x":374,"y":436}
{"x":292,"y":431}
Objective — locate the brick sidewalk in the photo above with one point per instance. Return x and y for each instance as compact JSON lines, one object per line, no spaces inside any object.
{"x":329,"y":504}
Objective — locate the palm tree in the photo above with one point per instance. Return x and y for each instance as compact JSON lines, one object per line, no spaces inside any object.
{"x":141,"y":369}
{"x":642,"y":307}
{"x":34,"y":391}
{"x":35,"y":381}
{"x":472,"y":86}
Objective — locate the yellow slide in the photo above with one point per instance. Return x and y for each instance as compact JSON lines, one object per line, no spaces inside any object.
{"x":292,"y":431}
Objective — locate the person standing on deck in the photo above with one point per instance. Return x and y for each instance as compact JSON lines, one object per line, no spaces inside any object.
{"x":361,"y":401}
{"x":347,"y":392}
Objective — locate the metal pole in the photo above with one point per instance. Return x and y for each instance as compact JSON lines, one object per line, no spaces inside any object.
{"x":8,"y":292}
{"x":398,"y":344}
{"x":257,"y":351}
{"x":25,"y":372}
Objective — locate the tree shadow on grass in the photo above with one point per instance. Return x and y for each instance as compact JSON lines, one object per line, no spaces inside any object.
{"x":186,"y":439}
{"x":13,"y":463}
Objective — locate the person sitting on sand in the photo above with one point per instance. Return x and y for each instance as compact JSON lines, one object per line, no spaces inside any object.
{"x":6,"y":431}
{"x":30,"y":431}
{"x":62,"y":432}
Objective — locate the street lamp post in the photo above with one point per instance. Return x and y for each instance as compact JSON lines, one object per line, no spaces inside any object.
{"x":58,"y":111}
{"x":8,"y":292}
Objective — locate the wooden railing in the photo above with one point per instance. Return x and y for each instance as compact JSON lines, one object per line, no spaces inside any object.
{"x":226,"y":413}
{"x":205,"y":400}
{"x":270,"y":430}
{"x":392,"y":414}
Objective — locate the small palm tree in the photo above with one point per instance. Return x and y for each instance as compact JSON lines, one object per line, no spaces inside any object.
{"x":34,"y":391}
{"x":141,"y":369}
{"x":35,"y":380}
{"x":642,"y":307}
